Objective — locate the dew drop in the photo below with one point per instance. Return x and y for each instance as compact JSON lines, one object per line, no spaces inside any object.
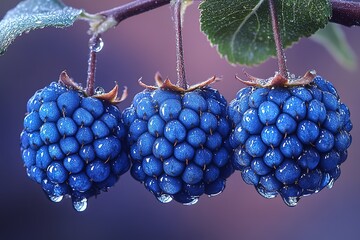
{"x":331,"y":183}
{"x":194,"y":201}
{"x":266,"y":194}
{"x":215,"y":194}
{"x":325,"y":180}
{"x":80,"y":205}
{"x":56,"y":198}
{"x":291,"y":201}
{"x":98,"y":45}
{"x":165,"y":198}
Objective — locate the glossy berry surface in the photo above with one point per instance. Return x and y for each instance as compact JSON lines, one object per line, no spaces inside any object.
{"x":290,"y":140}
{"x":178,"y":143}
{"x":73,"y":145}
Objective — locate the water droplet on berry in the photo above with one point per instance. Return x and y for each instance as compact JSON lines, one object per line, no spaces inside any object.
{"x":80,"y":205}
{"x":98,"y":45}
{"x":56,"y":198}
{"x":291,"y":201}
{"x":165,"y":198}
{"x":194,"y":201}
{"x":330,"y":184}
{"x":214,"y":194}
{"x":266,"y":194}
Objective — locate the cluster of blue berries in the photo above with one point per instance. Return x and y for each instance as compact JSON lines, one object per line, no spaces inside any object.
{"x":178,"y":143}
{"x":287,"y":141}
{"x":73,"y":145}
{"x":290,"y":141}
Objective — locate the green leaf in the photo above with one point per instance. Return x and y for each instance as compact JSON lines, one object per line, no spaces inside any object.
{"x":33,"y":14}
{"x":242,"y":31}
{"x":333,"y":39}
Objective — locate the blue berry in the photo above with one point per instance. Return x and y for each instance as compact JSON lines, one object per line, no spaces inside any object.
{"x":170,"y":185}
{"x":32,"y":122}
{"x":98,"y":171}
{"x":271,"y":136}
{"x":49,"y":133}
{"x":73,"y":145}
{"x":289,"y":141}
{"x":67,"y":126}
{"x":307,"y":132}
{"x":56,"y":172}
{"x":145,"y":108}
{"x":251,"y":122}
{"x":156,"y":126}
{"x":268,"y":112}
{"x":82,"y":117}
{"x":170,"y":109}
{"x":288,"y":172}
{"x":74,"y":163}
{"x":286,"y":124}
{"x":68,"y":102}
{"x":173,"y":167}
{"x":49,"y":112}
{"x":182,"y":150}
{"x":100,"y":129}
{"x":174,"y":131}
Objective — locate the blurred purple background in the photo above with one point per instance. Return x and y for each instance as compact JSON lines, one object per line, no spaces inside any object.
{"x":139,"y":47}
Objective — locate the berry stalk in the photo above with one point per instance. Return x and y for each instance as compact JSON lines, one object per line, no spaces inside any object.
{"x":94,"y":43}
{"x":278,"y":43}
{"x":180,"y":68}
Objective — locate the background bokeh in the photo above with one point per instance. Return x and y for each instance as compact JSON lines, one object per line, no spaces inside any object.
{"x":139,"y":47}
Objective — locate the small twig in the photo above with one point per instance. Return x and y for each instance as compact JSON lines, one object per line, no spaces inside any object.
{"x":346,"y":13}
{"x":279,"y":48}
{"x":133,"y":8}
{"x":94,"y":47}
{"x":180,"y":68}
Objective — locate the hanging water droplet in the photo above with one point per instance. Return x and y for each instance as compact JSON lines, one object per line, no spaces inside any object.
{"x":80,"y":205}
{"x":291,"y":201}
{"x":215,"y":194}
{"x":56,"y":198}
{"x":98,"y":45}
{"x":325,"y":180}
{"x":266,"y":194}
{"x":165,"y":198}
{"x":194,"y":201}
{"x":331,"y":183}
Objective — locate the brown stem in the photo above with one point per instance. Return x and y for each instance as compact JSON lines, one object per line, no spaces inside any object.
{"x":133,"y":8}
{"x":180,"y":66}
{"x":345,"y":12}
{"x":95,"y":45}
{"x":278,"y":43}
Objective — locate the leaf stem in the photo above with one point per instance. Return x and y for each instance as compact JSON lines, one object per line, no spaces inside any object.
{"x":346,"y":13}
{"x":277,"y":38}
{"x":94,"y":42}
{"x":180,"y":66}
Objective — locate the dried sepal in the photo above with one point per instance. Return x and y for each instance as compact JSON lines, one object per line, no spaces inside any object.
{"x":278,"y":80}
{"x":112,"y":95}
{"x":68,"y":82}
{"x":168,"y":85}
